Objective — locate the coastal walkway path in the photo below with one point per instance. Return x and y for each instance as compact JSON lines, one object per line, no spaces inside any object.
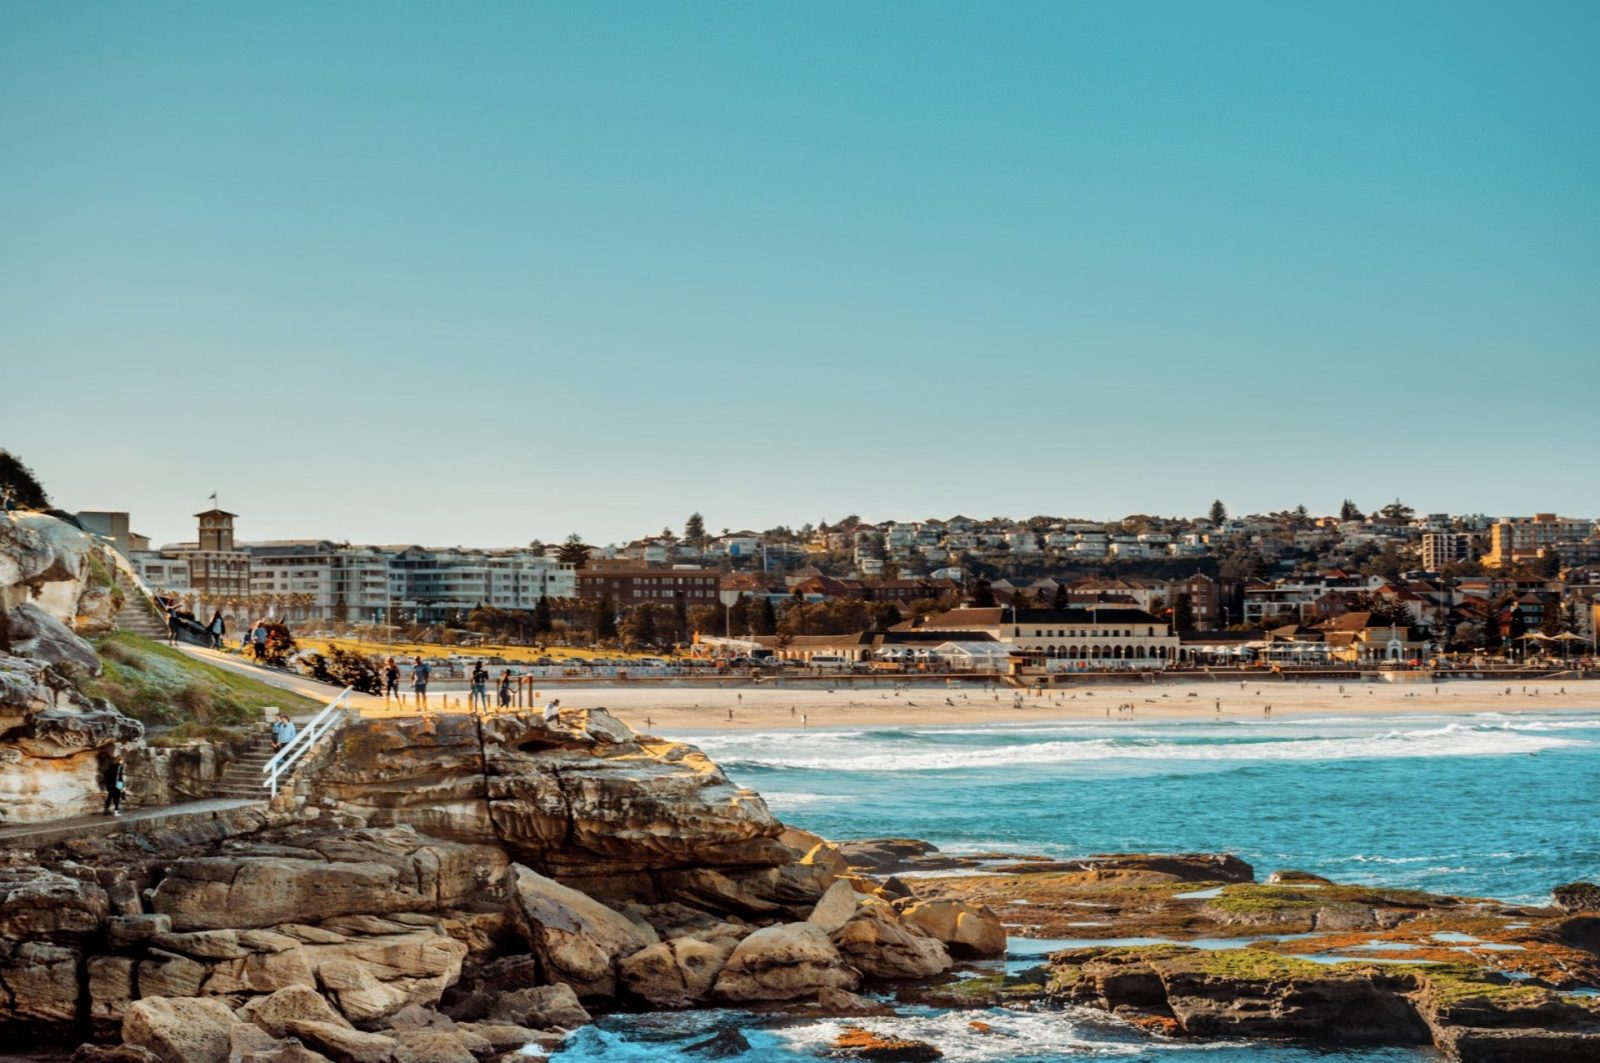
{"x":35,"y":835}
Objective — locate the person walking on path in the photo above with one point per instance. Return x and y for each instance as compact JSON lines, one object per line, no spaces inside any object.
{"x":419,"y":682}
{"x":504,"y":691}
{"x":115,"y":779}
{"x":172,"y":621}
{"x":217,"y":629}
{"x":391,"y":680}
{"x":259,"y":637}
{"x":478,"y":696}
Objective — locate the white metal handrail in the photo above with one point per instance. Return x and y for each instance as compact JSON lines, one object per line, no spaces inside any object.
{"x":330,"y":717}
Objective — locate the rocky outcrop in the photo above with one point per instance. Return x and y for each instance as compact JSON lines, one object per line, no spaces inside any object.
{"x":969,"y":931}
{"x":582,"y":799}
{"x":303,"y":873}
{"x":35,"y":634}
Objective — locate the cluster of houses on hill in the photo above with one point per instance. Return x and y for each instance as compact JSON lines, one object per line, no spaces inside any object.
{"x":941,"y":547}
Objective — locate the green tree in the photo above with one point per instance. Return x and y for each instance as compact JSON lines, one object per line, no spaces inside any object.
{"x":605,"y":619}
{"x":982,"y":594}
{"x":18,"y":483}
{"x":574,"y":551}
{"x":680,"y":616}
{"x":1219,"y":512}
{"x":1062,"y":598}
{"x":1397,"y":512}
{"x":1348,"y":510}
{"x":543,"y":620}
{"x":641,"y":626}
{"x":694,"y":531}
{"x":1183,"y":613}
{"x":764,"y":617}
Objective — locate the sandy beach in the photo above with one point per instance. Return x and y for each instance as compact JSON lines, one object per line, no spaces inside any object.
{"x":668,"y":710}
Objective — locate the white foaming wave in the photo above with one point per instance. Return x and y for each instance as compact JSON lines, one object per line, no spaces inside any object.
{"x":1068,"y":1034}
{"x":1438,"y":742}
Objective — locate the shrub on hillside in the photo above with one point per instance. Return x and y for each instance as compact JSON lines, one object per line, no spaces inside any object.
{"x":343,"y":668}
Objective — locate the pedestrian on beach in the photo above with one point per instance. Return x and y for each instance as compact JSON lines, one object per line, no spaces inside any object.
{"x":504,"y":691}
{"x":391,"y":680}
{"x":419,"y":682}
{"x":114,"y":778}
{"x":478,"y":696}
{"x":217,"y":629}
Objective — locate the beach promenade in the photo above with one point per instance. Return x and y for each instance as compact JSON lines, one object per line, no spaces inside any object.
{"x":668,"y":709}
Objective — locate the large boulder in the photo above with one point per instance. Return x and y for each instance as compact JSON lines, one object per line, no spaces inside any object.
{"x":181,"y":1030}
{"x":788,"y":961}
{"x":677,"y":973}
{"x":40,"y":983}
{"x":877,"y":943}
{"x":577,"y":940}
{"x":544,"y":1007}
{"x":298,"y":1003}
{"x":37,"y":635}
{"x":45,"y":561}
{"x":40,"y":904}
{"x":969,"y":931}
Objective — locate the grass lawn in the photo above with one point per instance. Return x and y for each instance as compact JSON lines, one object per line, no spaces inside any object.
{"x":160,"y":686}
{"x":426,"y":650}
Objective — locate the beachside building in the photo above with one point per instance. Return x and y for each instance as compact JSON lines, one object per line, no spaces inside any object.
{"x":1074,"y":639}
{"x":1442,"y":548}
{"x":1526,"y":538}
{"x":658,"y":586}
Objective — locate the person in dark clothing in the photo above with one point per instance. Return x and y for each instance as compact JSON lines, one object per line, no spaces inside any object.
{"x":217,"y":628}
{"x":478,"y":697}
{"x":504,"y":690}
{"x":391,"y":680}
{"x":114,"y":779}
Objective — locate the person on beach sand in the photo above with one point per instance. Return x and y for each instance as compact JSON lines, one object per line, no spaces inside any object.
{"x":391,"y":680}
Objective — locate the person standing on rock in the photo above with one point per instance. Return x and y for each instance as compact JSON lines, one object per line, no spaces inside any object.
{"x":217,"y":628}
{"x":115,"y":780}
{"x":419,"y":683}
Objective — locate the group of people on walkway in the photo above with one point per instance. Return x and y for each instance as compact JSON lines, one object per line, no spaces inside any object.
{"x":477,"y":687}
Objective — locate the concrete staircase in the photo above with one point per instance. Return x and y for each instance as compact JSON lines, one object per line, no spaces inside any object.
{"x":242,"y":778}
{"x":138,"y":613}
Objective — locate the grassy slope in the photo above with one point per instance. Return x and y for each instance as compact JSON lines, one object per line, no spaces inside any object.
{"x":161,"y":686}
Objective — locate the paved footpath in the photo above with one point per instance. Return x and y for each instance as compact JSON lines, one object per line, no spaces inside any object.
{"x":33,"y":835}
{"x":281,"y":679}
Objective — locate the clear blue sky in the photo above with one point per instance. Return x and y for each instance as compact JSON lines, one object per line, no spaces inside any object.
{"x":480,"y":273}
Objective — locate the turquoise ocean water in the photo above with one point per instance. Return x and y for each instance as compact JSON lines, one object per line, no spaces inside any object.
{"x":1490,"y":805}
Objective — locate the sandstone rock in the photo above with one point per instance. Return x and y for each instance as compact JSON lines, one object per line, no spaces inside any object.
{"x":131,"y":931}
{"x":366,"y":872}
{"x":676,"y":973}
{"x":341,"y":1043}
{"x":247,"y":1040}
{"x":437,"y":1046}
{"x":799,"y":842}
{"x":827,"y":857}
{"x":283,"y":1052}
{"x":1577,"y":897}
{"x":875,"y":942}
{"x":506,"y":1037}
{"x":577,"y":939}
{"x":417,"y":1017}
{"x":181,"y":1030}
{"x":842,"y":1002}
{"x":43,"y":561}
{"x":884,"y":855}
{"x":111,"y":988}
{"x":113,"y":1054}
{"x":587,"y":799}
{"x":40,"y":984}
{"x":296,"y":1002}
{"x":45,"y":905}
{"x":38,"y":635}
{"x":784,"y":962}
{"x":542,"y":1007}
{"x":836,"y":908}
{"x":968,"y":931}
